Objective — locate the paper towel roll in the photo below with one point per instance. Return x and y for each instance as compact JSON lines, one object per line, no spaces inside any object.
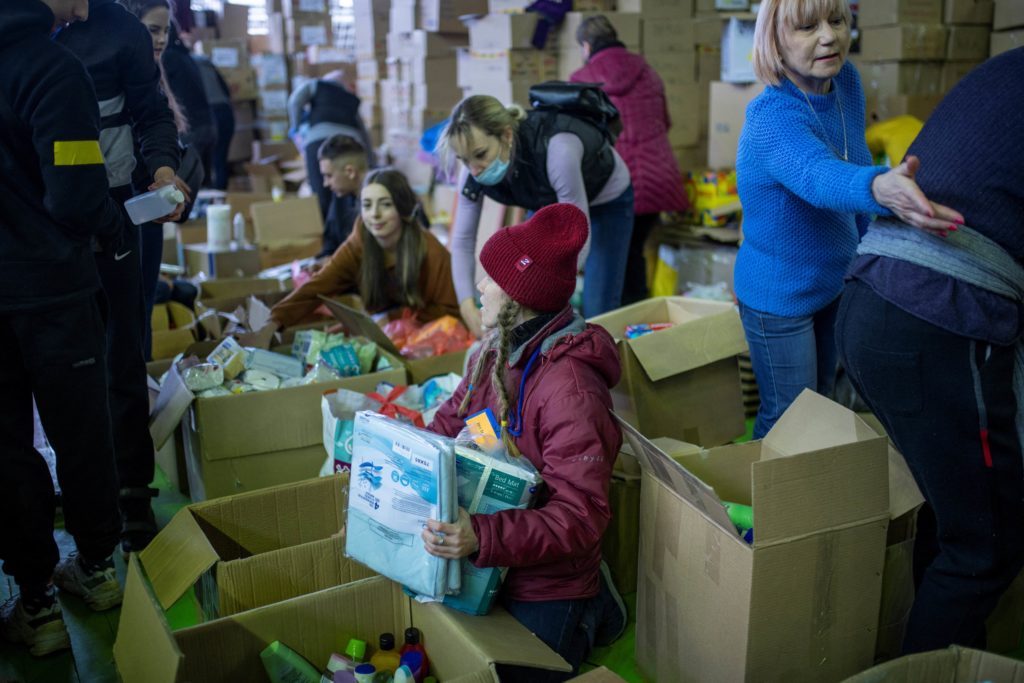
{"x":218,"y":225}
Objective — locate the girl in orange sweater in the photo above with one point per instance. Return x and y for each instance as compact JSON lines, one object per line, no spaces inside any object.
{"x":388,"y":259}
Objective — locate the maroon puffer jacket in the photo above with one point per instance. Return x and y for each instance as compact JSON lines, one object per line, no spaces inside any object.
{"x":568,"y":433}
{"x":638,"y":93}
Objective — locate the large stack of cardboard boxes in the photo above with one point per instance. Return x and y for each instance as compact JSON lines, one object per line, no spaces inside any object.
{"x":1007,"y":26}
{"x":371,"y":30}
{"x":914,"y":51}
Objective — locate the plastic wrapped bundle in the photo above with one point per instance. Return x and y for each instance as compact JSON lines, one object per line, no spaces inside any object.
{"x":401,"y":477}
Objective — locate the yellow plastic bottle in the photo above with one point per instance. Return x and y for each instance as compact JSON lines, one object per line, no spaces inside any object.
{"x":386,"y":658}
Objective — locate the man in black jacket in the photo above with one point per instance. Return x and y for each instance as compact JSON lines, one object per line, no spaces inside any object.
{"x":54,"y":206}
{"x":117,"y":51}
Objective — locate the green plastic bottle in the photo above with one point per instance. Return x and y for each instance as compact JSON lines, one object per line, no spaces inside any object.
{"x":285,"y":665}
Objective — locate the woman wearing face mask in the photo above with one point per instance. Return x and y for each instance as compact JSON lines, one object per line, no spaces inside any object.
{"x":805,"y":178}
{"x":532,"y":160}
{"x":389,"y":260}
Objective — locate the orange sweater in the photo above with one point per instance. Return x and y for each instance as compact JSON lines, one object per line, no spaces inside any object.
{"x":341,"y":276}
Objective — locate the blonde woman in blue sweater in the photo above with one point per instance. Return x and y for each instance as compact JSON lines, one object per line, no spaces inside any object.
{"x":808,"y":188}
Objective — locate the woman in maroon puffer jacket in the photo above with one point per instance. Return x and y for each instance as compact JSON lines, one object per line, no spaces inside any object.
{"x":546,"y":374}
{"x":637,"y":91}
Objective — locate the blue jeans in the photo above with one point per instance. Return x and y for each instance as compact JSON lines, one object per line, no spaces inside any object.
{"x":788,"y":356}
{"x":611,"y":227}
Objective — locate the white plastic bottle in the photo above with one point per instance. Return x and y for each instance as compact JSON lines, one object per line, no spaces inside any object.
{"x":152,"y":205}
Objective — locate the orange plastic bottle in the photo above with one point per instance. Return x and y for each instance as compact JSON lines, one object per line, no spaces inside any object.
{"x":386,"y":658}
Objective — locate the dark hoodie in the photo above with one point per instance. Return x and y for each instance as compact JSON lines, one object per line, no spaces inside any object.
{"x":53,"y":188}
{"x":118,"y":54}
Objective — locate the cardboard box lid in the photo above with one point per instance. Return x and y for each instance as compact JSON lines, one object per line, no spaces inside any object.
{"x":824,"y":468}
{"x":951,"y":665}
{"x":677,"y":478}
{"x":250,"y":523}
{"x":230,"y":288}
{"x":143,"y":617}
{"x":287,"y":220}
{"x":705,"y":332}
{"x":359,"y":324}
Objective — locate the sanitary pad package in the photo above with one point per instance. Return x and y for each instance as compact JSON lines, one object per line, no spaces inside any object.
{"x":401,"y":476}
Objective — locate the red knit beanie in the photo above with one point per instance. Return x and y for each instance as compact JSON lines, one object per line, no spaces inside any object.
{"x":535,"y":262}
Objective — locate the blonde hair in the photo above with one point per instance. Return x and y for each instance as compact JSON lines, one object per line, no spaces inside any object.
{"x":481,"y":111}
{"x":500,"y":338}
{"x":776,"y":14}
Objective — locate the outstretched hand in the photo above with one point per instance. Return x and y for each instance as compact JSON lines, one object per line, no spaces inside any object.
{"x":898,"y":191}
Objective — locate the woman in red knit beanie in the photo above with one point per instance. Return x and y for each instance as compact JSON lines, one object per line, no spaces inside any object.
{"x":546,"y":375}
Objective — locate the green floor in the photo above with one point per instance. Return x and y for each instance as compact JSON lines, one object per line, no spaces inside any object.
{"x":92,"y":634}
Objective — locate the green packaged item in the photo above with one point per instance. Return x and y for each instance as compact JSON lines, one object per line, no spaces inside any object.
{"x":343,"y":359}
{"x":285,"y":665}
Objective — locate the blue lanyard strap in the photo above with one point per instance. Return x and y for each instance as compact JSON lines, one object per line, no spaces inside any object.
{"x":515,"y":420}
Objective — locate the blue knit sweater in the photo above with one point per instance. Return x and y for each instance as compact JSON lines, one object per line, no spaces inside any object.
{"x":800,"y":200}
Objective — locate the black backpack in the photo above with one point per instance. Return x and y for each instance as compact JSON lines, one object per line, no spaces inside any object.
{"x":586,"y":101}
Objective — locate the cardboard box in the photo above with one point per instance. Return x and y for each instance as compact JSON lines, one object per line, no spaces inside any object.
{"x":650,"y":9}
{"x":462,"y":649}
{"x":1003,"y":41}
{"x":443,"y":16}
{"x":1007,"y":14}
{"x":250,"y":441}
{"x":506,"y":32}
{"x":737,"y":51}
{"x":227,"y":53}
{"x":289,"y":220}
{"x":967,"y":43}
{"x":952,"y":664}
{"x":727,"y":112}
{"x":668,"y":34}
{"x":217,"y":262}
{"x":358,"y":323}
{"x":215,"y":293}
{"x":173,"y":329}
{"x":906,"y":42}
{"x":233,"y":21}
{"x":952,"y":72}
{"x":626,"y":25}
{"x":299,"y":8}
{"x":682,"y":382}
{"x":892,"y":12}
{"x":477,"y":69}
{"x":598,"y":675}
{"x":801,"y":603}
{"x":882,"y":108}
{"x":968,"y":12}
{"x":684,"y":113}
{"x":883,"y":79}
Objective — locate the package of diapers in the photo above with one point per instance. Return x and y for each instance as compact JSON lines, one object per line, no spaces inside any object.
{"x":401,"y":477}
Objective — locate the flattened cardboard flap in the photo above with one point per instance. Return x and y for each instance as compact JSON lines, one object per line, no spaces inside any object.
{"x":171,"y":405}
{"x":145,"y":648}
{"x":497,"y":638}
{"x":359,"y":324}
{"x":177,"y":557}
{"x":677,"y":478}
{"x":813,"y":422}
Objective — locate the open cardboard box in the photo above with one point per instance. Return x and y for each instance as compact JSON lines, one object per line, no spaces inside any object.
{"x":358,"y":323}
{"x":287,"y":230}
{"x":173,"y":329}
{"x":682,"y":382}
{"x":802,"y":602}
{"x":224,"y":294}
{"x":462,"y":648}
{"x":262,"y":438}
{"x":952,"y":665}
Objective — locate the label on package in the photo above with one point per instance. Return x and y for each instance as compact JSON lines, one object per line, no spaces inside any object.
{"x":225,"y":57}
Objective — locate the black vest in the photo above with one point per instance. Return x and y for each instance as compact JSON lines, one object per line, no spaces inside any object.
{"x":332,"y":103}
{"x":526,"y":183}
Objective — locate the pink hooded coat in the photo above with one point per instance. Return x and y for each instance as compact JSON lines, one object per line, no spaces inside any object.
{"x":638,"y":93}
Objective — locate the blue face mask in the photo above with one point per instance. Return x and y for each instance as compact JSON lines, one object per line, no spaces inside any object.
{"x":493,"y":174}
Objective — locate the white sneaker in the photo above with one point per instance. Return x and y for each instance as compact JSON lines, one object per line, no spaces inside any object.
{"x":100,"y":589}
{"x":44,"y":632}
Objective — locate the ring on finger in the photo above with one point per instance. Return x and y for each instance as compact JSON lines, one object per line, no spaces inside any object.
{"x":440,"y":540}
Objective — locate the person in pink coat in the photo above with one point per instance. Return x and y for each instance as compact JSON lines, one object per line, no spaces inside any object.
{"x":546,"y":376}
{"x":637,"y":91}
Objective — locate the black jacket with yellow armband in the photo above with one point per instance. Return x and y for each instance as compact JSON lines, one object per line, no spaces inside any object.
{"x":54,"y":196}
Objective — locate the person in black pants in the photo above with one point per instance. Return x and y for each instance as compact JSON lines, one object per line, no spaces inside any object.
{"x":930,"y":331}
{"x":186,"y":84}
{"x":219,"y":96}
{"x":329,"y":108}
{"x":118,"y":54}
{"x":54,"y":206}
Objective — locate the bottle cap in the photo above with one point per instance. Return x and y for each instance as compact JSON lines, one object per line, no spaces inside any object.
{"x":356,"y":649}
{"x":387,"y":641}
{"x":412,"y":636}
{"x":176,"y":196}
